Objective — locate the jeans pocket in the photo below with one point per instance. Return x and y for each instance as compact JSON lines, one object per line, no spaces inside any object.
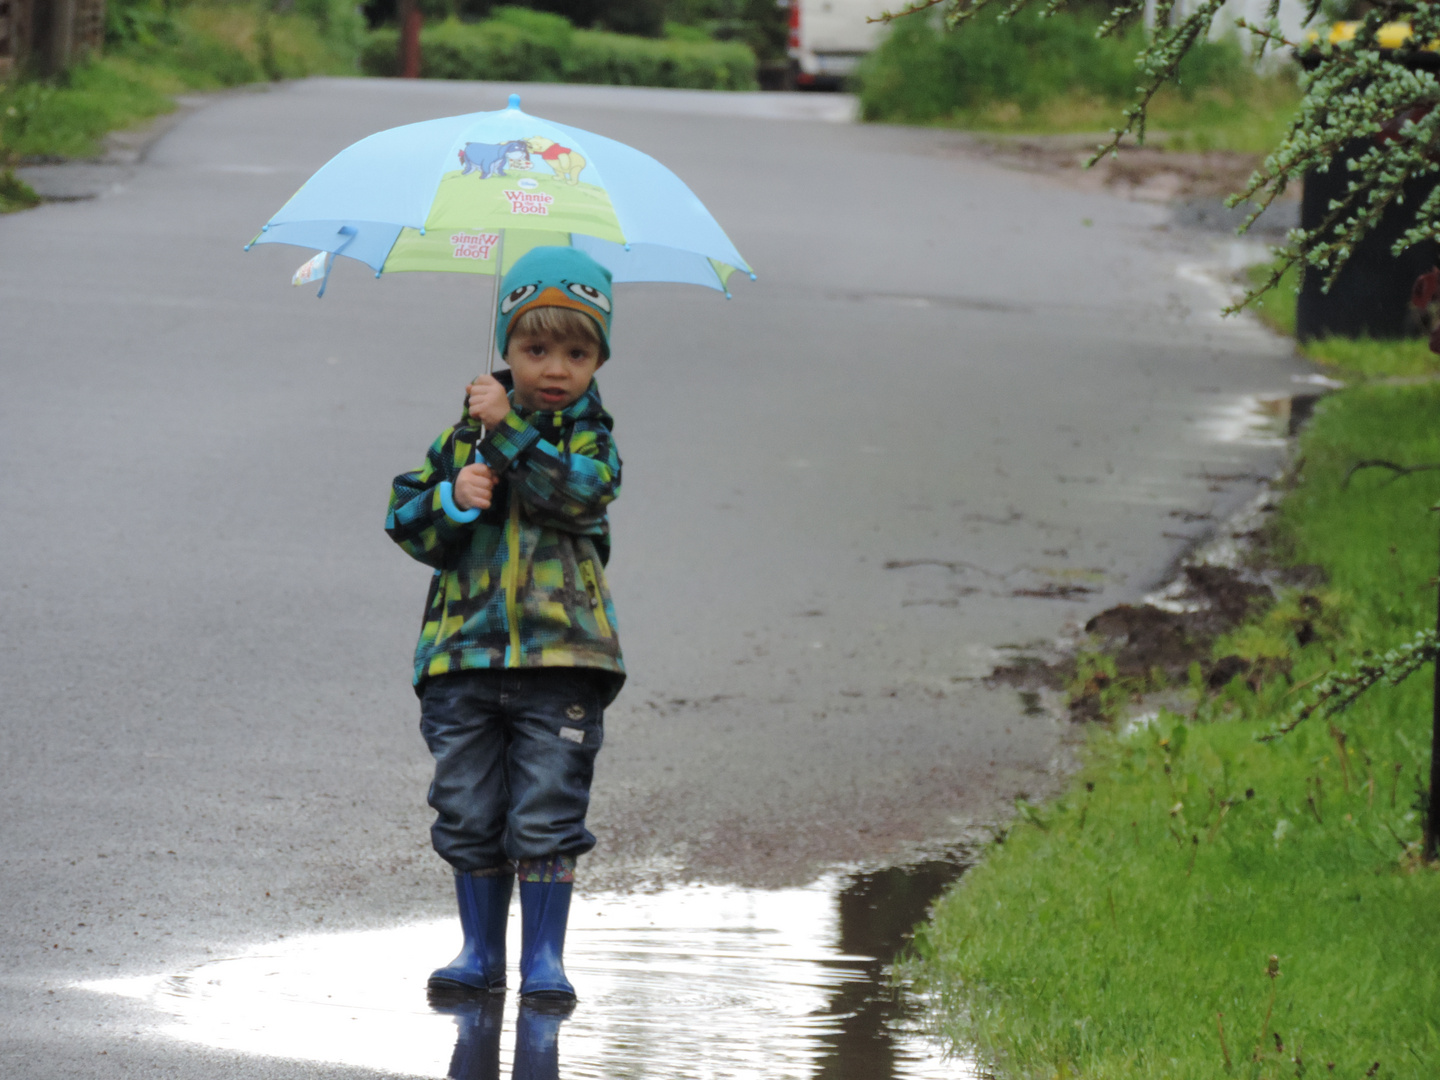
{"x":579,"y":708}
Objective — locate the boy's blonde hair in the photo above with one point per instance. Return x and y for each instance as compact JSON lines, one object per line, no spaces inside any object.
{"x":559,"y":323}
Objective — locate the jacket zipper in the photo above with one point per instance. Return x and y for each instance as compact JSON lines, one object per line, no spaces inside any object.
{"x":512,"y":581}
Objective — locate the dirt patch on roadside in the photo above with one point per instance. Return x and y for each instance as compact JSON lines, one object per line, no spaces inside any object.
{"x":1146,"y":173}
{"x":1194,"y":184}
{"x":1144,"y":638}
{"x":1155,"y":643}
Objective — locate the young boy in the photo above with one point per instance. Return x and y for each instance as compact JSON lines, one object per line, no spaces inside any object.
{"x":518,"y":655}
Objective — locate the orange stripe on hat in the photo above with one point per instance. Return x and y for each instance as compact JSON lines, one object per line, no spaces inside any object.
{"x":553,"y":297}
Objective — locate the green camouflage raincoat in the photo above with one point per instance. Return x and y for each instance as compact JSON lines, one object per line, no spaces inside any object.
{"x":523,"y":584}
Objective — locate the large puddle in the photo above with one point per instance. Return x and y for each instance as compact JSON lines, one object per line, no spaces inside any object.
{"x":690,"y":982}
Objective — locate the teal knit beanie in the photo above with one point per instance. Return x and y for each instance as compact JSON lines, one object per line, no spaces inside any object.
{"x":555,"y":277}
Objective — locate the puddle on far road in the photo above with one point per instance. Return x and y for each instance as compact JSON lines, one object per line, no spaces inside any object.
{"x":690,"y":982}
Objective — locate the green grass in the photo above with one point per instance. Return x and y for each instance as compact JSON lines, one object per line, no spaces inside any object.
{"x":1215,"y":119}
{"x":15,"y":194}
{"x":317,"y":37}
{"x":1403,"y":358}
{"x":1111,"y":933}
{"x":1248,"y":119}
{"x":1051,"y":76}
{"x":1360,"y":358}
{"x":203,"y":46}
{"x":68,"y":119}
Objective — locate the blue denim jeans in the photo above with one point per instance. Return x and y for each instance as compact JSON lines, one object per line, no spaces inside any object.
{"x":514,"y":755}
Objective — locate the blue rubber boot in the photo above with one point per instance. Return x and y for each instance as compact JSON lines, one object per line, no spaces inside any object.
{"x":544,"y":911}
{"x":484,"y":908}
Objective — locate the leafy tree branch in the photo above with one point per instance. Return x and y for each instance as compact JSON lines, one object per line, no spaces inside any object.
{"x":1339,"y":690}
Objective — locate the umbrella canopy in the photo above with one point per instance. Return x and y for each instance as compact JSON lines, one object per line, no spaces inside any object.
{"x":462,"y":193}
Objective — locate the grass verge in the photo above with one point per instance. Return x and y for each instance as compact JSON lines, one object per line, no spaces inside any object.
{"x":1050,"y":76}
{"x":68,"y":118}
{"x":1200,"y":904}
{"x":15,"y":194}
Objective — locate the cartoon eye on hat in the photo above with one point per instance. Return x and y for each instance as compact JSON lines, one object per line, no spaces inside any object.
{"x":594,"y":295}
{"x":518,"y":297}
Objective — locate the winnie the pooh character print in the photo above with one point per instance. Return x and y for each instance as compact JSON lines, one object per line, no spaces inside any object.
{"x":566,"y":163}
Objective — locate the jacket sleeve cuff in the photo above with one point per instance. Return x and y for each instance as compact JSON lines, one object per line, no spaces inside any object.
{"x":453,"y":512}
{"x":509,"y":439}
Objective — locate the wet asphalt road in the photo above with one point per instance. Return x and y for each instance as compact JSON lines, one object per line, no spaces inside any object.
{"x":952,"y":383}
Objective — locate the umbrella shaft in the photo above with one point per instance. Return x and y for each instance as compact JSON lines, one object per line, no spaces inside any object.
{"x":495,"y":310}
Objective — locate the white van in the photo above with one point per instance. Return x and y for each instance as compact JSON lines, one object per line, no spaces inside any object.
{"x":828,"y":38}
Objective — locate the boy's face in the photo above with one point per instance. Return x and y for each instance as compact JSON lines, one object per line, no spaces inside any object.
{"x":551,"y":373}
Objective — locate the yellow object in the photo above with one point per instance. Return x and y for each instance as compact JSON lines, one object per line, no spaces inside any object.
{"x":589,"y":579}
{"x":1390,"y":36}
{"x":510,"y":577}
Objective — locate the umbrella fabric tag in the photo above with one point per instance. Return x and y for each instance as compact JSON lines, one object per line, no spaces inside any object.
{"x":317,"y":269}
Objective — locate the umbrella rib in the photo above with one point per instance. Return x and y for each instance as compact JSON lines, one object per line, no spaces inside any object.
{"x":349,"y":233}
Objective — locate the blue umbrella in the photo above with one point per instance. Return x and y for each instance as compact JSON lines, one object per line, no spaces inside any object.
{"x":471,"y":194}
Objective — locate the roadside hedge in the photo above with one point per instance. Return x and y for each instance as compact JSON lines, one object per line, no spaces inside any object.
{"x":548,"y":49}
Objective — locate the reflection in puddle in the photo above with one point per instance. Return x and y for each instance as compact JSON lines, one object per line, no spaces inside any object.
{"x":690,"y":982}
{"x":1248,"y":421}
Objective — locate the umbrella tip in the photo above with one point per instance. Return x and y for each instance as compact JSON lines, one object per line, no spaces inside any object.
{"x":514,"y":102}
{"x":752,"y":275}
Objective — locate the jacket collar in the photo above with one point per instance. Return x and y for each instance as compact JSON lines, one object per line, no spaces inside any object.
{"x":586,"y":406}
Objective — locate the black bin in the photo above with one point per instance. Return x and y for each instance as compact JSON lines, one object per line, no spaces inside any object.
{"x":1371,"y":294}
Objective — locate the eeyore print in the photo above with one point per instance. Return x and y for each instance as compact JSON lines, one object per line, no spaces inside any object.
{"x":491,"y":158}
